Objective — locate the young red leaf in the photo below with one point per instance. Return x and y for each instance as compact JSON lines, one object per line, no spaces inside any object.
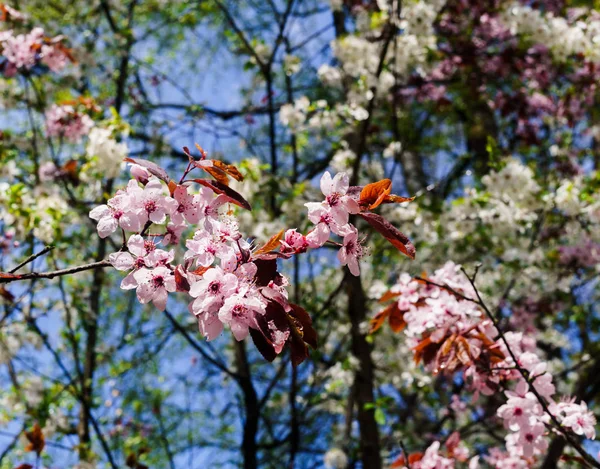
{"x":219,"y":188}
{"x":181,"y":282}
{"x":153,"y":168}
{"x":391,"y":233}
{"x":388,"y":296}
{"x":172,"y":187}
{"x":8,"y":296}
{"x":309,"y":335}
{"x":270,"y":245}
{"x":396,"y":199}
{"x":229,"y":169}
{"x":263,"y":345}
{"x":377,"y":321}
{"x":372,"y":195}
{"x":266,"y":271}
{"x":396,"y":318}
{"x":36,"y":439}
{"x":217,"y":173}
{"x":201,"y":150}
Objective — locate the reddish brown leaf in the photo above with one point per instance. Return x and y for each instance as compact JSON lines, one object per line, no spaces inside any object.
{"x":377,"y":321}
{"x":263,"y":345}
{"x":24,"y":466}
{"x":391,"y":233}
{"x":229,"y":169}
{"x":270,"y":245}
{"x":201,"y":271}
{"x":153,"y":168}
{"x":388,"y":295}
{"x":36,"y":439}
{"x":217,"y":173}
{"x":396,"y":199}
{"x":266,"y":271}
{"x":463,"y":351}
{"x":201,"y":150}
{"x":172,"y":187}
{"x":372,"y":195}
{"x":309,"y":335}
{"x":8,"y":296}
{"x":181,"y":282}
{"x":396,"y":318}
{"x":231,"y":195}
{"x":273,"y":255}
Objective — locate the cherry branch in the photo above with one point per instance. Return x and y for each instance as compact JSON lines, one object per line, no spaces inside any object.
{"x":32,"y":258}
{"x":526,"y":376}
{"x":11,"y":277}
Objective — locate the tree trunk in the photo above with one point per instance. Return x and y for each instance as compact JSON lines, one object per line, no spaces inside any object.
{"x":249,"y":448}
{"x":364,"y":377}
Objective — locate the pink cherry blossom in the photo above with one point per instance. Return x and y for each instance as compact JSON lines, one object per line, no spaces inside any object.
{"x":239,"y":311}
{"x":154,"y":285}
{"x":294,"y":242}
{"x":154,"y":202}
{"x":174,"y":232}
{"x":205,"y":248}
{"x":578,"y":418}
{"x":336,"y":201}
{"x":210,"y":292}
{"x":65,"y":121}
{"x":142,"y":253}
{"x":351,"y":252}
{"x":189,"y":206}
{"x":54,"y":57}
{"x":141,"y":174}
{"x":21,"y":50}
{"x":120,"y":211}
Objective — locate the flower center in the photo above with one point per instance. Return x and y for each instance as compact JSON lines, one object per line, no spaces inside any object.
{"x":158,"y":281}
{"x":150,"y":206}
{"x":238,"y":311}
{"x":214,"y":287}
{"x":333,"y":199}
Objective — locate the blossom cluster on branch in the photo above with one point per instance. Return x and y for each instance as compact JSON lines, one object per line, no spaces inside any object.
{"x":23,"y":52}
{"x":231,"y":282}
{"x":451,"y":330}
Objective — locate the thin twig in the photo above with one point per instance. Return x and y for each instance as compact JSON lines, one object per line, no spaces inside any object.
{"x":31,"y":258}
{"x":7,"y":278}
{"x":525,"y":374}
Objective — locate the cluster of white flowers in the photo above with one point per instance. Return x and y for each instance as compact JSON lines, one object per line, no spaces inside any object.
{"x":13,"y":337}
{"x":335,"y":458}
{"x":563,"y":39}
{"x":393,"y":149}
{"x":106,"y":153}
{"x":330,"y":76}
{"x":294,"y":115}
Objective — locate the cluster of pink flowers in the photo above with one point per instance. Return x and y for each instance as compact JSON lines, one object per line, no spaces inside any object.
{"x":331,"y":216}
{"x":433,"y":458}
{"x":67,"y":122}
{"x":25,"y":51}
{"x":449,"y":331}
{"x":583,"y":254}
{"x":230,"y":282}
{"x":523,"y":413}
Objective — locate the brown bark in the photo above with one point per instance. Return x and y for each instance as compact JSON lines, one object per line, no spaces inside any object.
{"x":364,"y":377}
{"x":251,"y":407}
